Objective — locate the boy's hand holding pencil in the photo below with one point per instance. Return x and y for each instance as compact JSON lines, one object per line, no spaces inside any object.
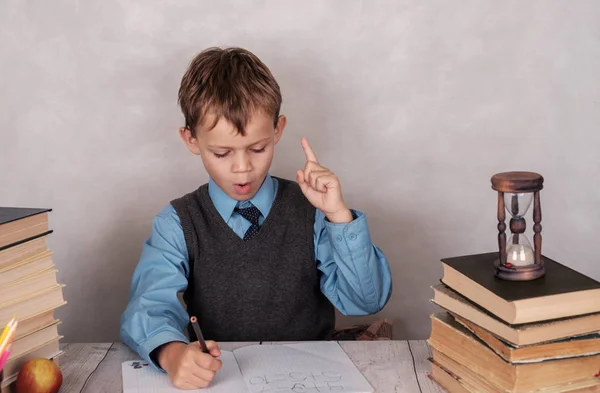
{"x":193,"y":365}
{"x":6,"y":340}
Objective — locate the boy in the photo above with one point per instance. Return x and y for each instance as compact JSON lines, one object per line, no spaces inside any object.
{"x":258,"y":258}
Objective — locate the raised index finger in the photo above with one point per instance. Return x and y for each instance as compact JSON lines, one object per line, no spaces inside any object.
{"x":310,"y":155}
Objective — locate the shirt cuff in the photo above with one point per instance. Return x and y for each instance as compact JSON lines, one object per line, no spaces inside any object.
{"x":349,"y":237}
{"x":162,"y":337}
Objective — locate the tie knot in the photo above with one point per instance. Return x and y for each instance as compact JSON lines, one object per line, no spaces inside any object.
{"x":250,"y":213}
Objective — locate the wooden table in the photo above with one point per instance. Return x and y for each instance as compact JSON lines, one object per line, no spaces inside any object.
{"x":390,"y":366}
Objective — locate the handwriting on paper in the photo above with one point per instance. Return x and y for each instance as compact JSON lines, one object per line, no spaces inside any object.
{"x":298,"y":382}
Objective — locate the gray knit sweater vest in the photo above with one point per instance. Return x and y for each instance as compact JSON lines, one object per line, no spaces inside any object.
{"x":263,"y":289}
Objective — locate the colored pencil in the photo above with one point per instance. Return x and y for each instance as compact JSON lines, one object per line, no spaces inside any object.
{"x":8,"y":336}
{"x":4,"y":357}
{"x":6,"y":329}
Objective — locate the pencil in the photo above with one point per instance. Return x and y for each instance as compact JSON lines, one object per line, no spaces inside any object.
{"x":6,"y":329}
{"x":7,"y":338}
{"x":199,"y":336}
{"x":4,"y":357}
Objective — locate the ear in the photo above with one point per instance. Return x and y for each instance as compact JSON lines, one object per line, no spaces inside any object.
{"x":281,"y":122}
{"x":190,"y":141}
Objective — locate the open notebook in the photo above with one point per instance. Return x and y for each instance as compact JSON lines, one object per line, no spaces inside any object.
{"x":303,"y":367}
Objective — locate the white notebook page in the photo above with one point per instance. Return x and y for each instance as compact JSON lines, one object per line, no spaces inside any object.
{"x":318,"y":367}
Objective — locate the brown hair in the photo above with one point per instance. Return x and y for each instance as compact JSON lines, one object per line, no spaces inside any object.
{"x":231,"y":83}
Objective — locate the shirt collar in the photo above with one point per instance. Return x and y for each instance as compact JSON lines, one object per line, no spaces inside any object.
{"x":263,"y":199}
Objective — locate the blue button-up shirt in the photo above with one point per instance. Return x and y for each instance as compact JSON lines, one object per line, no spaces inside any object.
{"x":355,"y":274}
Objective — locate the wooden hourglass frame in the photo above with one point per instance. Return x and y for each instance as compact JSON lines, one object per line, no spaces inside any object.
{"x":517,"y":261}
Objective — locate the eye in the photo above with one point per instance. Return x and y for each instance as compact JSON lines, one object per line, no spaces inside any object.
{"x":262,"y":149}
{"x":221,"y":155}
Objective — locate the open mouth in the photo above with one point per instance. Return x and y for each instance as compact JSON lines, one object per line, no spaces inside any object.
{"x":242,"y":188}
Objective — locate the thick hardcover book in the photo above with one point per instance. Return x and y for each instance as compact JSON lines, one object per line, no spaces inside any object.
{"x":561,"y":292}
{"x":9,"y":214}
{"x":20,"y":224}
{"x":516,"y":334}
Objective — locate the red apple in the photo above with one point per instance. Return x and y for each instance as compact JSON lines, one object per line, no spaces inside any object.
{"x":39,"y":375}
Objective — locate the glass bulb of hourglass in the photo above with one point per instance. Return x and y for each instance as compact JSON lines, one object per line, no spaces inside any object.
{"x":519,"y":202}
{"x":520,"y":254}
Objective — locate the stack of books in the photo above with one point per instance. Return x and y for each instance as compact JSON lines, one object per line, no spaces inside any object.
{"x":29,"y":289}
{"x":494,"y":335}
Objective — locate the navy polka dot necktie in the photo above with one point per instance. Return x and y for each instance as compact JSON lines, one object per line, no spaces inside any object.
{"x":251,"y":214}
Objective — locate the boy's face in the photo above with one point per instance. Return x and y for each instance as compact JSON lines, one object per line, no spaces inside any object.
{"x":237,"y":164}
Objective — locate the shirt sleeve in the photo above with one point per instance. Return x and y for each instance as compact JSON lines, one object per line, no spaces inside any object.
{"x":356,"y":276}
{"x":155,"y":315}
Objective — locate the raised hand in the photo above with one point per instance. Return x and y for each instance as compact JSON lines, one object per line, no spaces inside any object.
{"x":322,"y":187}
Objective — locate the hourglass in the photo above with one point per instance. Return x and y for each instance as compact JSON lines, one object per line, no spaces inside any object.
{"x":517,"y":260}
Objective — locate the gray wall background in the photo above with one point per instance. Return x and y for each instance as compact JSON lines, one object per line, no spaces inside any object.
{"x":414,"y":104}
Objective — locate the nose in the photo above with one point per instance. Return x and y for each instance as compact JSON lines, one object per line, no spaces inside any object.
{"x":241,"y":163}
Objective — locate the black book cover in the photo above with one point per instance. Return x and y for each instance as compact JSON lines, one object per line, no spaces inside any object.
{"x":9,"y":214}
{"x":559,"y":279}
